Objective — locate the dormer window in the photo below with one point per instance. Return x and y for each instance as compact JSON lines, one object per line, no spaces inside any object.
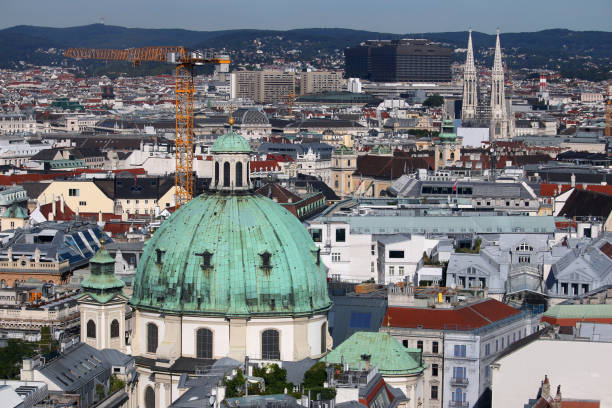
{"x":524,"y":248}
{"x":265,"y":260}
{"x":159,"y":254}
{"x":206,"y":259}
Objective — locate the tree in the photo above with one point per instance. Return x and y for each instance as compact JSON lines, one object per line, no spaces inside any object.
{"x":11,"y":357}
{"x":315,"y":376}
{"x":116,"y":383}
{"x":433,"y":101}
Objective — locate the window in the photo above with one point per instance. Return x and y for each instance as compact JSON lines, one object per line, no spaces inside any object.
{"x":216,"y":173}
{"x":373,"y":250}
{"x":585,"y":287}
{"x":396,"y":254}
{"x":391,"y":270}
{"x":323,"y":338}
{"x":83,"y":203}
{"x":574,"y":288}
{"x":341,"y":235}
{"x":401,"y":271}
{"x":405,"y":343}
{"x":270,"y":345}
{"x":434,"y":347}
{"x":459,"y":350}
{"x":524,"y":248}
{"x":487,"y":349}
{"x":335,"y":256}
{"x":502,"y":343}
{"x":137,"y":201}
{"x":226,"y":174}
{"x":204,"y":343}
{"x":458,"y":395}
{"x":564,"y":288}
{"x":149,"y":398}
{"x":434,"y":392}
{"x":487,"y":371}
{"x":434,"y":370}
{"x":458,"y":372}
{"x":151,"y":338}
{"x":239,"y":174}
{"x":91,"y":329}
{"x":114,"y":332}
{"x":524,"y":259}
{"x":265,"y":260}
{"x":317,"y":234}
{"x":420,"y":345}
{"x":73,"y":192}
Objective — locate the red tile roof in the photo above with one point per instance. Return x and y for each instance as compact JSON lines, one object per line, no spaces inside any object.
{"x":461,"y":318}
{"x":66,"y":215}
{"x":33,"y":177}
{"x":579,"y":404}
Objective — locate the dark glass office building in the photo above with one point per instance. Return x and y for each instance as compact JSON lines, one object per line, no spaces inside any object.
{"x":399,"y":61}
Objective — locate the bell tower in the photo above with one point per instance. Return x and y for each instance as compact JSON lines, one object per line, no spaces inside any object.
{"x":103,"y":305}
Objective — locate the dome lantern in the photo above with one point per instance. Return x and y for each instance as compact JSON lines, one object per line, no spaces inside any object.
{"x":231,"y":154}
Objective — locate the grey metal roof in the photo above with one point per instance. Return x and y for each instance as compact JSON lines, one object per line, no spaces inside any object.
{"x":480,"y":224}
{"x":77,"y":367}
{"x":353,"y":313}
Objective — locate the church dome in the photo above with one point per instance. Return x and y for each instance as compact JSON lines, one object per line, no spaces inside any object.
{"x":231,"y":255}
{"x":231,"y":142}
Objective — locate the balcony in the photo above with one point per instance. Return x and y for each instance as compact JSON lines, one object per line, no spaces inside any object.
{"x":460,"y":381}
{"x":462,"y":404}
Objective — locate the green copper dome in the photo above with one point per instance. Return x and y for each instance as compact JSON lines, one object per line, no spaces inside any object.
{"x":102,"y":284}
{"x":231,"y":142}
{"x":231,"y":255}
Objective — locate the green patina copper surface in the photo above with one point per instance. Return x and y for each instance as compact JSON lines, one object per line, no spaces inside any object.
{"x":208,"y":259}
{"x":448,"y":132}
{"x":102,"y":284}
{"x":584,"y":311}
{"x":385,"y":352}
{"x":343,"y":150}
{"x":231,"y":142}
{"x":15,"y":211}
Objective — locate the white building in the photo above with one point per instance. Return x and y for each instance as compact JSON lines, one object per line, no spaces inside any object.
{"x":582,"y":368}
{"x":400,"y":256}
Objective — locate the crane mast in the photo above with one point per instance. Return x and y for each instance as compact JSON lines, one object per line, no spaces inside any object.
{"x":184,"y":90}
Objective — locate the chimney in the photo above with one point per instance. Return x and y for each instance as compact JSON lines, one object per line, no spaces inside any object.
{"x":62,"y":203}
{"x":556,"y":403}
{"x":53,"y":210}
{"x":545,"y":388}
{"x":573,"y":180}
{"x":100,"y":216}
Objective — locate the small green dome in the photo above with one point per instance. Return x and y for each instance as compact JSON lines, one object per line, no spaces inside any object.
{"x":102,"y":284}
{"x":231,"y":142}
{"x":231,"y":255}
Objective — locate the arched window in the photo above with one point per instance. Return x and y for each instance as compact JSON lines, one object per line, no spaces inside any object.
{"x":239,"y":174}
{"x":2,"y":284}
{"x":204,"y":343}
{"x":216,"y":173}
{"x":91,"y":329}
{"x":269,"y":345}
{"x":151,"y":338}
{"x":524,"y":247}
{"x":149,"y":398}
{"x":226,"y":174}
{"x":323,"y":337}
{"x":114,"y":328}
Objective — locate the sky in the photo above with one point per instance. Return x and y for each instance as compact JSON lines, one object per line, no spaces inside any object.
{"x":392,"y":16}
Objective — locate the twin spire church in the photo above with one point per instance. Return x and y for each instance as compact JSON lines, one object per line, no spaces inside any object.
{"x":477,"y":111}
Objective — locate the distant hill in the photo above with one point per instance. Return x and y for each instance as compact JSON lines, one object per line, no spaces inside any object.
{"x":540,"y":49}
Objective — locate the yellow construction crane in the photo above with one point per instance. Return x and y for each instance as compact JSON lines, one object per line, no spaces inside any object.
{"x":608,"y":112}
{"x":184,"y":90}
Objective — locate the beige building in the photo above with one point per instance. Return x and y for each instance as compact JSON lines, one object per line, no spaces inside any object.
{"x":265,"y":86}
{"x":321,"y":81}
{"x":115,"y":196}
{"x":344,"y":164}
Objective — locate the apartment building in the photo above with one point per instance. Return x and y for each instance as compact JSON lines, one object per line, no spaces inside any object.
{"x":265,"y":86}
{"x":458,"y":344}
{"x":321,"y":81}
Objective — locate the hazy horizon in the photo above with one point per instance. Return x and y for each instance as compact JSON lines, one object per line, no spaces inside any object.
{"x":393,"y":16}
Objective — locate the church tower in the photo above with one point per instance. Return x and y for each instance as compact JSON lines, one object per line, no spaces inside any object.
{"x":103,"y":305}
{"x":499,"y":115}
{"x":470,"y":98}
